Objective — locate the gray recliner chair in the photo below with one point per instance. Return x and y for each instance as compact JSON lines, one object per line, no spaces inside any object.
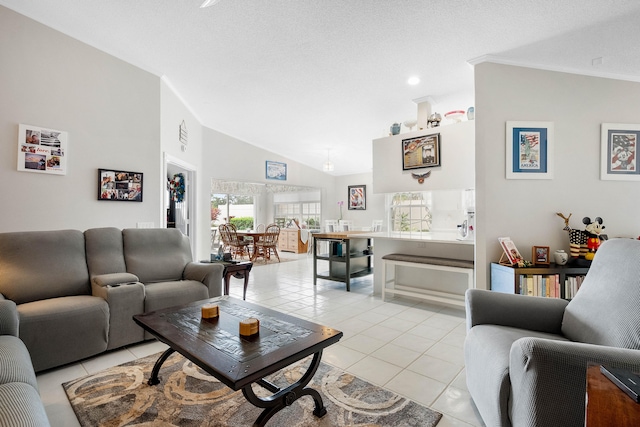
{"x":526,"y":357}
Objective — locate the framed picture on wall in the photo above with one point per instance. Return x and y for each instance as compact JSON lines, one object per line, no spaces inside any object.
{"x":276,"y":170}
{"x":529,"y":150}
{"x":357,"y":197}
{"x":42,"y":150}
{"x":421,"y":152}
{"x":618,"y":152}
{"x":122,"y":186}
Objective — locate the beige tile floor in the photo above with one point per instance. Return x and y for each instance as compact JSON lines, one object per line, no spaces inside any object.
{"x":404,"y":345}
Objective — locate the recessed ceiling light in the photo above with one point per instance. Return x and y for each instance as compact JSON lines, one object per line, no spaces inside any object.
{"x":413,"y":81}
{"x":208,"y":3}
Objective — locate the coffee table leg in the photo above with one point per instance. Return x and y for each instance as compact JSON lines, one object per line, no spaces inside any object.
{"x":154,"y":379}
{"x":287,"y":396}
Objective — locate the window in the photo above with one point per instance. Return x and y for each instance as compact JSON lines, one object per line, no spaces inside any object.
{"x":237,"y":209}
{"x":307,"y":214}
{"x":410,"y":212}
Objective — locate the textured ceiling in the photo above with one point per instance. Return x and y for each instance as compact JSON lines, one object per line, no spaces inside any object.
{"x":300,"y":77}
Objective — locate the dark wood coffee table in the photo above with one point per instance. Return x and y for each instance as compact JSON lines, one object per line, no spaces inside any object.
{"x":216,"y":346}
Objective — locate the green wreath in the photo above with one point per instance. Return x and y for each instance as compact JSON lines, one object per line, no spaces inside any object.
{"x":177,"y":187}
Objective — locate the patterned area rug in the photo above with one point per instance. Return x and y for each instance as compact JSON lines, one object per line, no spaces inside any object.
{"x":273,"y":260}
{"x":187,"y":396}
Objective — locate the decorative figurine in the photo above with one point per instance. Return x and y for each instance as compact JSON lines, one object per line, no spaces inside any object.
{"x":593,"y":230}
{"x":583,"y":244}
{"x":434,"y":120}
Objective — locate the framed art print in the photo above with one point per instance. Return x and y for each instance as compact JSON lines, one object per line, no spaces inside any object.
{"x":123,"y":186}
{"x":276,"y":170}
{"x":42,"y":150}
{"x":529,"y":150}
{"x":357,"y":197}
{"x":618,"y":148}
{"x":540,"y":255}
{"x":421,"y":152}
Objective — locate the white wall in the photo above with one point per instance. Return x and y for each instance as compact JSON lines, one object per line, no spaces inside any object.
{"x":456,"y":159}
{"x":173,"y":112}
{"x":525,"y":209}
{"x":374,"y":202}
{"x":111,"y":111}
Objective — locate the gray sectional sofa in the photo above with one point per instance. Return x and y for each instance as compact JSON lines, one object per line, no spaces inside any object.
{"x":20,"y":403}
{"x":74,"y":294}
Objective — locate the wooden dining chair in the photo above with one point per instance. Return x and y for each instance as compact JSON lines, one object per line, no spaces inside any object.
{"x":267,"y":243}
{"x":232,"y":242}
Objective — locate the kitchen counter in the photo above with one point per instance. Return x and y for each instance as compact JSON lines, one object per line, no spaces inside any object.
{"x":431,"y":237}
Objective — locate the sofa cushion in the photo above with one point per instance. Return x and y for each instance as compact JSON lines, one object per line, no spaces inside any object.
{"x":166,"y":294}
{"x":156,"y":254}
{"x":104,"y":251}
{"x":605,"y":310}
{"x":37,"y":265}
{"x":15,"y":362}
{"x":69,"y":328}
{"x":21,"y":406}
{"x":9,"y":320}
{"x":486,"y":354}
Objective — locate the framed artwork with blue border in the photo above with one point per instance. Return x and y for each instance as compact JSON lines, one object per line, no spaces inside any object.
{"x":529,"y":150}
{"x":276,"y":170}
{"x":618,"y":152}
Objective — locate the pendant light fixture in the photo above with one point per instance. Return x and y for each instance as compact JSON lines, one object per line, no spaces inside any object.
{"x":328,"y":166}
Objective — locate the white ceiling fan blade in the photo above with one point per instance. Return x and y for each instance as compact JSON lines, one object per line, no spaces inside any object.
{"x":208,"y":3}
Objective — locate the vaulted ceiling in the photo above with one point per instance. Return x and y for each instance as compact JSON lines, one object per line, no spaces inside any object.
{"x":301,"y":77}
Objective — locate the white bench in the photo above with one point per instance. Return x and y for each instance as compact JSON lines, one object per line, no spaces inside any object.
{"x":425,"y":262}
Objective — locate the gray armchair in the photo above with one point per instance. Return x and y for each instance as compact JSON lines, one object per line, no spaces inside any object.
{"x":526,"y":357}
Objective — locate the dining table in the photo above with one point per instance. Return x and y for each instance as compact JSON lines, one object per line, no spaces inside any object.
{"x":253,"y":235}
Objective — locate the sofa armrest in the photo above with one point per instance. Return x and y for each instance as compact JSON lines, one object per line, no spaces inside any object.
{"x":114,"y":279}
{"x":548,"y":378}
{"x":518,"y":311}
{"x":9,"y":319}
{"x":124,"y":302}
{"x":210,"y":274}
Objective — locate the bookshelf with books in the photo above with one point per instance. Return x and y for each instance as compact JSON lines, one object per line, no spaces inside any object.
{"x":553,"y":281}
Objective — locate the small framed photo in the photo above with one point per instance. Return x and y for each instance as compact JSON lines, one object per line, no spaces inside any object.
{"x":510,"y":250}
{"x":276,"y":170}
{"x":618,"y":149}
{"x":357,"y":197}
{"x":123,"y":186}
{"x":540,"y":255}
{"x":42,"y":150}
{"x":421,"y":152}
{"x":529,"y":150}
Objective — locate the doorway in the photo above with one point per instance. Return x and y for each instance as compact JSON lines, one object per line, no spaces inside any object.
{"x":180,"y":205}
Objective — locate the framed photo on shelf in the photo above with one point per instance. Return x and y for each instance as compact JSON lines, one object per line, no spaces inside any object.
{"x":529,"y":150}
{"x":42,"y":150}
{"x":276,"y":170}
{"x":357,"y":197}
{"x":122,"y":186}
{"x":540,"y":255}
{"x":618,"y":152}
{"x":510,"y":250}
{"x":421,"y":152}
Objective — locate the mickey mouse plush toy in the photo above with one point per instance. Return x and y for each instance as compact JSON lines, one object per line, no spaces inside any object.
{"x":593,"y":230}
